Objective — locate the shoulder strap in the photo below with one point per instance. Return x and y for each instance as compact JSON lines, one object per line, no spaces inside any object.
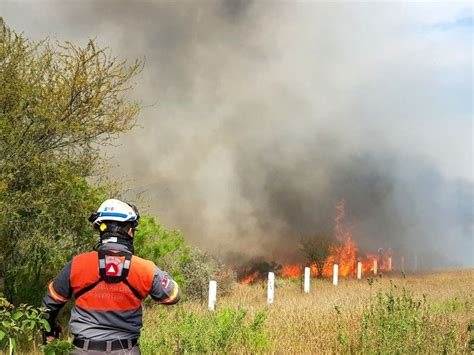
{"x":111,"y":279}
{"x":133,"y":289}
{"x":86,"y":289}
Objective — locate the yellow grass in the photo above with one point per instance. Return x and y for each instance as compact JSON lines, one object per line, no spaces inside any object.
{"x":308,"y":323}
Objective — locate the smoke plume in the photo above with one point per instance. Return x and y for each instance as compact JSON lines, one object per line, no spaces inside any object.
{"x":260,"y":116}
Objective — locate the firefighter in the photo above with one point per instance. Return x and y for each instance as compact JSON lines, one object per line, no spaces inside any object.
{"x":109,"y":285}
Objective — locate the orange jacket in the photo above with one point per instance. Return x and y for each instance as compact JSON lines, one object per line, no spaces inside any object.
{"x":109,"y":310}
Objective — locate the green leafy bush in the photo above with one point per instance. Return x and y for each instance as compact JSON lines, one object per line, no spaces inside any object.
{"x":223,"y":331}
{"x":60,"y":105}
{"x":58,"y":347}
{"x":19,"y":324}
{"x":199,"y":269}
{"x":166,"y":248}
{"x":189,"y":266}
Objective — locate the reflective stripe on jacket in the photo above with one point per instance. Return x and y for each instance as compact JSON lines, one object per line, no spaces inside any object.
{"x":109,"y":310}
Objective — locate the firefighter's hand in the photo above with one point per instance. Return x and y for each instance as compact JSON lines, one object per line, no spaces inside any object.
{"x":50,"y":336}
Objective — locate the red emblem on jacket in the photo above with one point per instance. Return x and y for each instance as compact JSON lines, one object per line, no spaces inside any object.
{"x":165,"y":281}
{"x":112,"y":267}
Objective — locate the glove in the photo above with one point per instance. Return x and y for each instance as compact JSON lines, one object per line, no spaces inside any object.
{"x":50,"y":336}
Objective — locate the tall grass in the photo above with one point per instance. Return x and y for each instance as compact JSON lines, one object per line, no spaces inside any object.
{"x":422,"y":313}
{"x":427,"y":313}
{"x":399,"y":323}
{"x":190,"y":331}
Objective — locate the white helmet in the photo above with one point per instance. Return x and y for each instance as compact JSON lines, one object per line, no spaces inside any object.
{"x":115,"y":210}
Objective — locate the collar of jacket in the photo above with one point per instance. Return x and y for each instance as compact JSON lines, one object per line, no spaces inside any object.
{"x":114,"y":246}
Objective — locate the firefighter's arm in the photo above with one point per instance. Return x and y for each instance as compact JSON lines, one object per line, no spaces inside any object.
{"x":58,"y":292}
{"x":165,"y":290}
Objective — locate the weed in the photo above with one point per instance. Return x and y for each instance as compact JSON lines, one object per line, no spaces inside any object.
{"x":58,"y":347}
{"x":19,"y":324}
{"x":398,"y":322}
{"x":197,"y":332}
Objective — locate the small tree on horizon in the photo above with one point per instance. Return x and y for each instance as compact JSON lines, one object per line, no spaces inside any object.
{"x":316,"y":249}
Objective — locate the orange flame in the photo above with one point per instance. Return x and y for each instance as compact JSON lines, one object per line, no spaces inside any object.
{"x":344,"y":254}
{"x":291,"y":270}
{"x":247,"y":280}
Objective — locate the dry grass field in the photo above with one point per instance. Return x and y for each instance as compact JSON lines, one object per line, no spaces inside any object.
{"x":432,"y":315}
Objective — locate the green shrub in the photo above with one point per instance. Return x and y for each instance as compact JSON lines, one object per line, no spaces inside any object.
{"x":166,"y":248}
{"x":223,"y":331}
{"x":451,"y":306}
{"x":60,"y":104}
{"x":189,"y":266}
{"x":199,"y":269}
{"x":399,"y":323}
{"x":58,"y":347}
{"x":19,"y":324}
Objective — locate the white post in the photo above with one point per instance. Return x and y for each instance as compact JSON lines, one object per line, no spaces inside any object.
{"x":271,"y":287}
{"x":335,"y":274}
{"x":375,"y":266}
{"x":212,"y":295}
{"x":389,"y":262}
{"x":306,"y":279}
{"x":402,"y":263}
{"x":359,"y":270}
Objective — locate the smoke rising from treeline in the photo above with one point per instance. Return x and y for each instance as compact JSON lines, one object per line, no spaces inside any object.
{"x":260,"y":116}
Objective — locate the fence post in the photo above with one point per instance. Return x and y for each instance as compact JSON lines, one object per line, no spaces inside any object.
{"x":375,"y":266}
{"x":271,"y":287}
{"x":335,"y":274}
{"x":212,"y":295}
{"x":306,"y":279}
{"x":359,"y":270}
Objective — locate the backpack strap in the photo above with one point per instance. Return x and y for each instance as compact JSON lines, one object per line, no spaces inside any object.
{"x":86,"y":289}
{"x":111,"y":279}
{"x":133,"y":289}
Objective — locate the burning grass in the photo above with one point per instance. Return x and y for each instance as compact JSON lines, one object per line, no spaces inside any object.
{"x":428,"y":313}
{"x":341,"y":250}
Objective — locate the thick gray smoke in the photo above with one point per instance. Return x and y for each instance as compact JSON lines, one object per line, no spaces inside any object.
{"x":260,"y":116}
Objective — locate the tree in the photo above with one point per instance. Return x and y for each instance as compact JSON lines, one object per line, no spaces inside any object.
{"x":59,"y":104}
{"x":316,"y":250}
{"x":189,"y":266}
{"x":166,"y":248}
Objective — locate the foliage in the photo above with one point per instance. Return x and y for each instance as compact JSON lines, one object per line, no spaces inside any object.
{"x":190,"y":267}
{"x":223,"y":331}
{"x":226,"y":278}
{"x":199,"y":269}
{"x":400,"y":323}
{"x":58,"y":105}
{"x":58,"y":347}
{"x":19,"y":324}
{"x":166,"y":248}
{"x":316,"y":250}
{"x":301,"y":323}
{"x":451,"y":306}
